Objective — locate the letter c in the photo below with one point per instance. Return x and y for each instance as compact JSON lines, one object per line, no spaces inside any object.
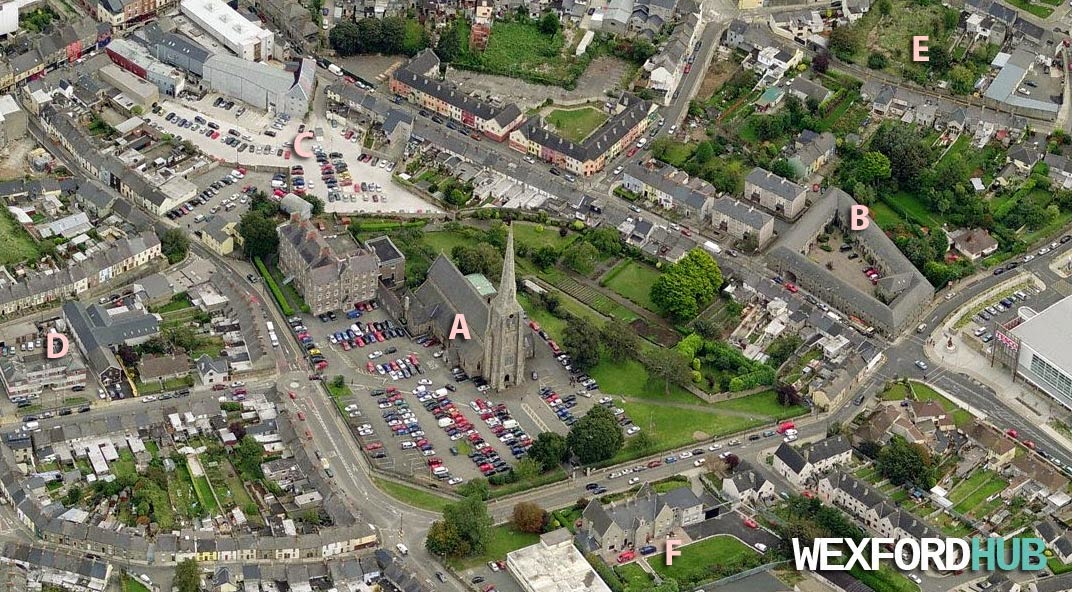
{"x":298,"y":149}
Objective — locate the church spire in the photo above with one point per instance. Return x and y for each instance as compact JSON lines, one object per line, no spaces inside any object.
{"x":506,"y":299}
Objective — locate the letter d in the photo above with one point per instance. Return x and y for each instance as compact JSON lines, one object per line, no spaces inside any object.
{"x":459,"y":327}
{"x":858,"y":217}
{"x":50,"y":350}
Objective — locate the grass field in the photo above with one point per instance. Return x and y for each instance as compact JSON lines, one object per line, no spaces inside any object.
{"x":960,"y":417}
{"x":634,"y":281}
{"x":576,"y":124}
{"x":634,"y":577}
{"x":975,"y":489}
{"x":204,"y":495}
{"x":16,"y":245}
{"x":674,"y":426}
{"x":132,"y":584}
{"x":764,"y":403}
{"x":521,"y":50}
{"x":884,"y":215}
{"x":696,"y":560}
{"x":413,"y":496}
{"x":503,"y":540}
{"x":629,"y":378}
{"x":539,"y":235}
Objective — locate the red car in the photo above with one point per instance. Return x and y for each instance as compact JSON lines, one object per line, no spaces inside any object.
{"x":626,"y":556}
{"x":632,"y":151}
{"x":792,"y":287}
{"x":750,"y":523}
{"x":373,"y":446}
{"x":1029,"y":444}
{"x":370,"y":367}
{"x":1012,"y":434}
{"x":293,"y":396}
{"x":686,"y":232}
{"x":301,"y":416}
{"x":219,"y":387}
{"x":808,"y":494}
{"x":655,"y":463}
{"x":286,"y":154}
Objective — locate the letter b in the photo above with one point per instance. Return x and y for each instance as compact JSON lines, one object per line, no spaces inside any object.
{"x":858,"y":217}
{"x":50,"y":349}
{"x":1032,"y":556}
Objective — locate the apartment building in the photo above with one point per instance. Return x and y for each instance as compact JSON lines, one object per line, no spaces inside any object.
{"x":778,"y":195}
{"x":330,"y":272}
{"x":798,"y":466}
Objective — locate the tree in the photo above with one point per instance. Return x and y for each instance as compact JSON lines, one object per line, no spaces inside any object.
{"x":787,"y":394}
{"x":481,"y":258}
{"x":174,"y":245}
{"x":605,"y":239}
{"x":449,"y":46}
{"x":705,"y":151}
{"x":884,"y":7}
{"x":128,"y":355}
{"x":821,"y":62}
{"x":258,"y":234}
{"x":187,"y":576}
{"x":782,"y":348}
{"x":545,"y":257}
{"x":581,"y":258}
{"x":687,"y":286}
{"x":908,"y":155}
{"x":845,"y":41}
{"x":316,"y":202}
{"x":370,"y":31}
{"x":443,"y":539}
{"x":877,"y":60}
{"x":874,"y":166}
{"x":549,"y":23}
{"x":345,"y":38}
{"x":473,"y":523}
{"x":904,"y":463}
{"x":581,"y":338}
{"x":549,"y":450}
{"x":74,"y":495}
{"x":393,"y":34}
{"x":668,"y":365}
{"x":477,"y":488}
{"x":528,"y":517}
{"x":731,"y":461}
{"x":961,"y":79}
{"x":620,"y":341}
{"x":596,"y":436}
{"x":671,"y":295}
{"x":783,"y":168}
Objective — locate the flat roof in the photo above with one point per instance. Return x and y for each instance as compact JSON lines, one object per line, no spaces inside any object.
{"x":1047,"y":333}
{"x":224,"y":20}
{"x":554,"y":565}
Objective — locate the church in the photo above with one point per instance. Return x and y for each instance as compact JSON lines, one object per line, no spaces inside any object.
{"x":500,"y":341}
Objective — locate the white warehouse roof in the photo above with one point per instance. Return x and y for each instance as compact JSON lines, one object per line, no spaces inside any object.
{"x":224,"y":21}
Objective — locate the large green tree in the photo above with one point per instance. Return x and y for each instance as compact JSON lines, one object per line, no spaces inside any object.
{"x":596,"y":436}
{"x":345,"y":38}
{"x":258,"y":234}
{"x":620,"y":341}
{"x":581,"y":339}
{"x":902,"y":462}
{"x":187,"y":576}
{"x":174,"y":244}
{"x":668,"y":365}
{"x":528,"y":517}
{"x":480,"y":258}
{"x":581,"y":258}
{"x":549,"y":450}
{"x":688,"y":286}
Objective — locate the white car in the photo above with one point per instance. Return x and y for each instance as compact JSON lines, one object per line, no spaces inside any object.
{"x":915,"y":578}
{"x":699,"y":462}
{"x":350,"y":407}
{"x":375,"y":354}
{"x":634,"y":480}
{"x":618,"y":170}
{"x":632,"y":430}
{"x":614,"y":475}
{"x":407,"y":444}
{"x":424,"y":381}
{"x":355,"y":414}
{"x":714,"y":447}
{"x":148,"y":399}
{"x":455,"y":481}
{"x":685,"y":454}
{"x":921,"y":364}
{"x":604,"y":400}
{"x":1043,"y":251}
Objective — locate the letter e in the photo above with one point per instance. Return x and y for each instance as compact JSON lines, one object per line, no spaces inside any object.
{"x":459,"y":326}
{"x":50,"y":349}
{"x":858,"y":217}
{"x":671,"y":552}
{"x":918,"y":49}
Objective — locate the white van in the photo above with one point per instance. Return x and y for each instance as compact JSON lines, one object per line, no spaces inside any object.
{"x":404,"y":550}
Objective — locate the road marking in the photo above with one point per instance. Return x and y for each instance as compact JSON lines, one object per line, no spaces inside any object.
{"x":532,"y":415}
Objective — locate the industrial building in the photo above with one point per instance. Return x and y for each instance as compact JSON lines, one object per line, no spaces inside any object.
{"x":231,"y":29}
{"x":12,"y":119}
{"x":137,"y":60}
{"x":136,"y":89}
{"x":1035,"y":347}
{"x":175,"y":49}
{"x":265,"y":87}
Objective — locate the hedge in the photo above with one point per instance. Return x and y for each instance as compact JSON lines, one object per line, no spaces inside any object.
{"x":276,"y":292}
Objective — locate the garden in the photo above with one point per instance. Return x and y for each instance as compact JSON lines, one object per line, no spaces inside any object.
{"x":576,"y":123}
{"x":707,"y":560}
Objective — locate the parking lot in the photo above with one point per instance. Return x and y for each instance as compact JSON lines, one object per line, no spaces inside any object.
{"x":209,"y":125}
{"x":435,"y":413}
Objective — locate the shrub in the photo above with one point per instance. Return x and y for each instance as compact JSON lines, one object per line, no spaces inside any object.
{"x":276,"y":292}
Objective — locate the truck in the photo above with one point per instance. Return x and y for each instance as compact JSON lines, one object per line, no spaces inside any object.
{"x":445,"y":422}
{"x":335,"y":69}
{"x":510,"y":424}
{"x":785,"y":426}
{"x":862,"y":327}
{"x":712,"y":247}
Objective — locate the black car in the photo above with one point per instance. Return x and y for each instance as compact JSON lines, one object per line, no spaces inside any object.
{"x":477,"y":579}
{"x":1066,"y":238}
{"x":753,"y":437}
{"x":556,"y":172}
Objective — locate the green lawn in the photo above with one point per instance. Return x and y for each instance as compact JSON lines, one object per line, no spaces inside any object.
{"x":576,"y":124}
{"x":504,"y":539}
{"x":886,"y":579}
{"x":204,"y":495}
{"x":980,"y":495}
{"x":763,"y":403}
{"x":696,"y":560}
{"x":521,"y":50}
{"x":181,"y":492}
{"x":539,"y":235}
{"x":630,"y":379}
{"x":1035,"y":9}
{"x":443,"y":240}
{"x":413,"y":496}
{"x":634,"y":281}
{"x":634,"y":577}
{"x":178,"y":302}
{"x":969,"y":485}
{"x":897,"y":392}
{"x":884,"y":215}
{"x":547,"y":321}
{"x":16,"y":245}
{"x":674,"y":426}
{"x":132,"y":584}
{"x":915,"y":208}
{"x":125,"y":465}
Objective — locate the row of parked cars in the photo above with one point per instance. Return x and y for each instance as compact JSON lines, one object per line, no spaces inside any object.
{"x":624,"y":420}
{"x":358,"y":335}
{"x":506,"y":428}
{"x":316,"y":357}
{"x":454,"y":423}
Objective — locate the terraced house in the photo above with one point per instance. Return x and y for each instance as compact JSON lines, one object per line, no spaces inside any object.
{"x":629,"y":119}
{"x":873,"y":509}
{"x":417,"y":82}
{"x":777,"y":194}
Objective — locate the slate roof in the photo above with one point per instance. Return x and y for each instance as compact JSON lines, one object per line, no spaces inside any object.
{"x":775,"y":184}
{"x":609,"y":134}
{"x":746,"y":214}
{"x":791,"y":457}
{"x":447,"y":292}
{"x":415,"y":74}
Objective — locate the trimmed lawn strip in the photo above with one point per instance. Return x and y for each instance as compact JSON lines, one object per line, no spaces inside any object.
{"x":413,"y":496}
{"x":204,"y":494}
{"x":630,"y":378}
{"x":765,"y":403}
{"x":634,"y":282}
{"x":504,"y":539}
{"x":961,"y":417}
{"x":694,"y":565}
{"x":576,"y":123}
{"x":673,"y":426}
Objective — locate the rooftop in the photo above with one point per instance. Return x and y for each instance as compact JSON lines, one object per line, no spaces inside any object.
{"x":1047,"y":333}
{"x":554,"y":565}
